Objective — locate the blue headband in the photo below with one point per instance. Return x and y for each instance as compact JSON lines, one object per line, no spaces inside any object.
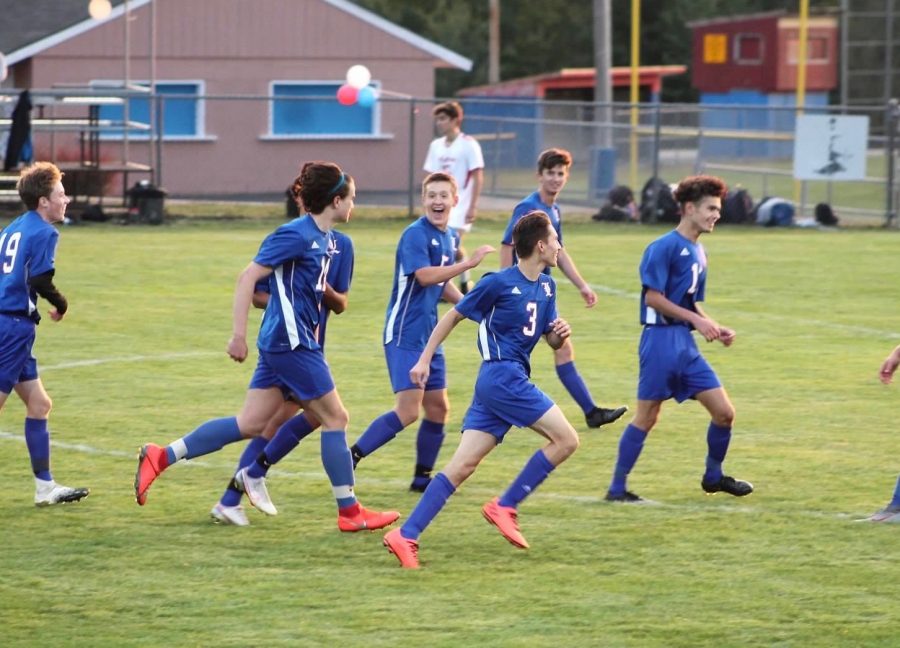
{"x":340,"y":184}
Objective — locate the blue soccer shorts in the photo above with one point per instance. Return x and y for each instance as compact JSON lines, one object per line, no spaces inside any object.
{"x":400,"y":361}
{"x":302,"y":373}
{"x":16,"y":342}
{"x":671,"y":365}
{"x":504,"y":396}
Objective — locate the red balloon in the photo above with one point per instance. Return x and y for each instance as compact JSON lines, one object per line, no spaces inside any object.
{"x":347,"y":94}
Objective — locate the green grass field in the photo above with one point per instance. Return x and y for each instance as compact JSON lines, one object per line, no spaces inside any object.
{"x":140,"y":358}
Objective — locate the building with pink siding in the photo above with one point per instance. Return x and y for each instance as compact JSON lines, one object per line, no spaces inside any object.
{"x":218,"y":64}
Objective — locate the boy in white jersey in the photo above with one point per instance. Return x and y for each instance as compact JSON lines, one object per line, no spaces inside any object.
{"x":514,"y":307}
{"x":458,"y":154}
{"x":673,"y":278}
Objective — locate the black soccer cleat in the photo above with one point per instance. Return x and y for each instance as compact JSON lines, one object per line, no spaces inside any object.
{"x":601,"y":416}
{"x":627,"y":497}
{"x":729,"y":485}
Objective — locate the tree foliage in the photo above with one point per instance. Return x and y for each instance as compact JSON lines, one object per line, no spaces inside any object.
{"x":547,"y":35}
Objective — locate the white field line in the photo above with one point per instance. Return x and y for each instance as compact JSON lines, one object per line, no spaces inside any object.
{"x":133,"y":358}
{"x":225,"y":467}
{"x":801,"y":321}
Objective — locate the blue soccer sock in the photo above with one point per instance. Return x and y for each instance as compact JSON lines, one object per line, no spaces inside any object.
{"x":209,"y":437}
{"x":896,"y":500}
{"x":630,"y":446}
{"x":717,"y":439}
{"x":433,"y":499}
{"x":339,"y":466}
{"x":232,"y":495}
{"x":533,"y":474}
{"x":574,"y":384}
{"x":37,"y":438}
{"x":428,"y":445}
{"x":379,"y":432}
{"x":288,"y":437}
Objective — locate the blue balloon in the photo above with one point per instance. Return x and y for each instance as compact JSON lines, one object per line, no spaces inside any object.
{"x":366,"y":97}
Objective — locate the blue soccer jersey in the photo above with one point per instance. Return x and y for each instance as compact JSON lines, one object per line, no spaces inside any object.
{"x":27,"y":249}
{"x":530,"y":204}
{"x":299,"y":254}
{"x":676,"y":267}
{"x":340,"y":274}
{"x":412,"y":310}
{"x":512,"y":312}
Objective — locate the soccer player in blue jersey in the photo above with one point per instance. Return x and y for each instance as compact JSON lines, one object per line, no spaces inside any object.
{"x":286,"y":428}
{"x":27,"y":255}
{"x":553,"y":172}
{"x":422,"y":272}
{"x":295,"y":258}
{"x":513,"y":309}
{"x":891,"y":512}
{"x":673,"y":278}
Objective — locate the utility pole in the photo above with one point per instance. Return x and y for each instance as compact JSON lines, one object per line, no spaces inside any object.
{"x":602,"y":64}
{"x":493,"y":41}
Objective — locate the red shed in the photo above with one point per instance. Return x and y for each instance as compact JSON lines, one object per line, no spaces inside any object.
{"x":759,"y":52}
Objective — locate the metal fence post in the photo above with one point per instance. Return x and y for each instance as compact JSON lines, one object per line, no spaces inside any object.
{"x":412,"y":159}
{"x":657,"y":118}
{"x":891,"y":123}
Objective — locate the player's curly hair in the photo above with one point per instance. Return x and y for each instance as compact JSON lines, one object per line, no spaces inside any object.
{"x":318,"y":184}
{"x":553,"y":157}
{"x":37,"y":181}
{"x":696,"y":188}
{"x":531,"y":228}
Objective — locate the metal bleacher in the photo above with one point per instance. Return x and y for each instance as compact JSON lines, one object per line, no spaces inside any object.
{"x":55,"y":112}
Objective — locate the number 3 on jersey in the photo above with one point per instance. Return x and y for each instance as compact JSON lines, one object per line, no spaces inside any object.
{"x":8,"y":251}
{"x":531,"y":308}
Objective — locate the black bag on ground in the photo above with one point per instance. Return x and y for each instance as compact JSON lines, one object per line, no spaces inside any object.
{"x":736,"y":207}
{"x":825,"y":215}
{"x":658,"y":204}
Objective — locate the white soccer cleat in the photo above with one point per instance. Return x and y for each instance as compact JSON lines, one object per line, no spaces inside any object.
{"x":48,"y":493}
{"x":229,"y":514}
{"x":889,"y":514}
{"x":255,"y":489}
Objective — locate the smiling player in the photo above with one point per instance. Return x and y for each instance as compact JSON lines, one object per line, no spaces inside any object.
{"x":422,"y":273}
{"x":673,"y":274}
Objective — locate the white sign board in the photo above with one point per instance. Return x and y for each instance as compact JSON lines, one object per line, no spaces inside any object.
{"x":830,"y":147}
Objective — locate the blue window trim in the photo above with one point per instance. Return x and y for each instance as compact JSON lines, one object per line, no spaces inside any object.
{"x":199,"y":131}
{"x":329,"y":88}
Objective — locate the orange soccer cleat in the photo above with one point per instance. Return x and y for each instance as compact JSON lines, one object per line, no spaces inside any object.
{"x":504,"y":518}
{"x":151,"y":462}
{"x":406,"y":550}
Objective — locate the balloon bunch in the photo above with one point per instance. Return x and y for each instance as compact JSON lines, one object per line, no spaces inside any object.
{"x":357,"y":89}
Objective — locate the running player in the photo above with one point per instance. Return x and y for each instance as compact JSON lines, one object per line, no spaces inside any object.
{"x":513,"y":308}
{"x":286,"y":428}
{"x":295,"y":258}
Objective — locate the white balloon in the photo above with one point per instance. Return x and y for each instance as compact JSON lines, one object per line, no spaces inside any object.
{"x":99,"y":9}
{"x":358,"y":76}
